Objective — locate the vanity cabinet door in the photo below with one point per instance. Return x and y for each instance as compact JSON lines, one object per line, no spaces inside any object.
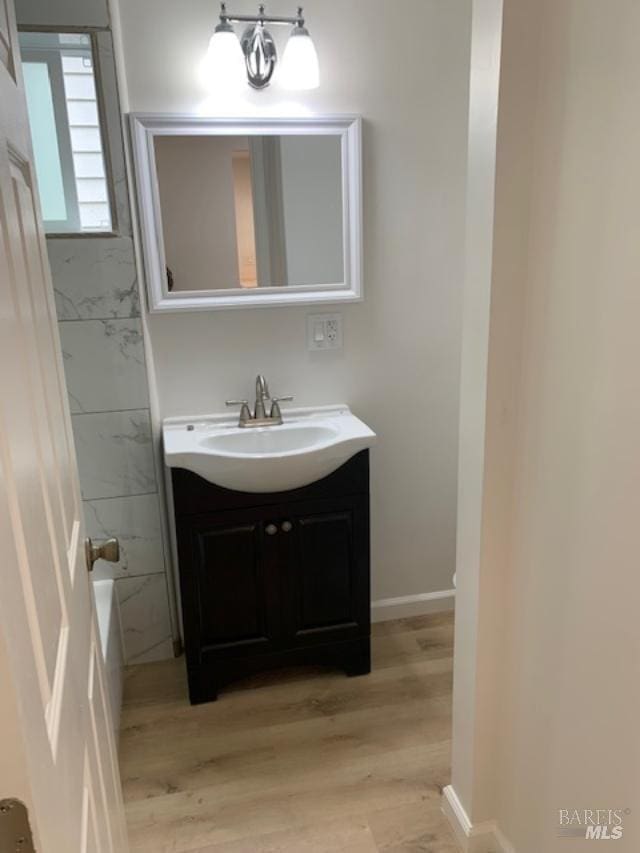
{"x":327,"y":592}
{"x":230,"y":584}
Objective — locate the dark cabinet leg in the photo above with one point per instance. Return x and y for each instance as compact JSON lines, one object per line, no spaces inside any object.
{"x":358,"y":662}
{"x":202,"y":687}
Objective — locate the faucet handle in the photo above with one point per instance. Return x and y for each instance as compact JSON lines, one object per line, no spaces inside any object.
{"x":276,"y":414}
{"x":245,"y":413}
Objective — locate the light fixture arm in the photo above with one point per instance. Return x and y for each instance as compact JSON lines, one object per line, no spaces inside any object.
{"x":260,"y":18}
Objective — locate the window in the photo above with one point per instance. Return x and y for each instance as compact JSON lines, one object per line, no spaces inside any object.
{"x":65,"y":130}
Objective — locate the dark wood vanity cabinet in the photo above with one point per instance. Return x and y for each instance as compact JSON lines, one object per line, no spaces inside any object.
{"x":272,"y":580}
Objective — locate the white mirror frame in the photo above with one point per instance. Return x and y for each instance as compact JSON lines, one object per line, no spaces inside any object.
{"x":145,"y":127}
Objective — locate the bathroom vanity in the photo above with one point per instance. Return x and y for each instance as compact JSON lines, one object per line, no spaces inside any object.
{"x":271,"y":514}
{"x":272,"y":578}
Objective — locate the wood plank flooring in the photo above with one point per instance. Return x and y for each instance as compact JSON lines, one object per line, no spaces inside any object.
{"x":296,"y":761}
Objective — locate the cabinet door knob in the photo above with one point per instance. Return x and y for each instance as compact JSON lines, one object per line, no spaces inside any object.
{"x":271,"y":530}
{"x":287,"y":527}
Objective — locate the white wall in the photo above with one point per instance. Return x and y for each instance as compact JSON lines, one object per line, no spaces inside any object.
{"x":312,"y":202}
{"x":552,"y":696}
{"x":406,"y":71}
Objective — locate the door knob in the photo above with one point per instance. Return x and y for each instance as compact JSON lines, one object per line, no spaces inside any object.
{"x":286,"y":526}
{"x":271,"y":530}
{"x":109,"y":551}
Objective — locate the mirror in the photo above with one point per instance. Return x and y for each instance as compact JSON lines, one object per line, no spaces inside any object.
{"x":259,"y":211}
{"x":248,"y":212}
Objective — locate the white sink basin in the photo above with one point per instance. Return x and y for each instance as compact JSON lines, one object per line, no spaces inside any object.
{"x":258,"y":442}
{"x":309,"y":445}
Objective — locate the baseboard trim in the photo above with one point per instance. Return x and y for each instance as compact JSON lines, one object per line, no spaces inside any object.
{"x":483,"y":837}
{"x":385,"y":609}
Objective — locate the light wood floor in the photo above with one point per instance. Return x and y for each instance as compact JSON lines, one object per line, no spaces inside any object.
{"x":296,"y":762}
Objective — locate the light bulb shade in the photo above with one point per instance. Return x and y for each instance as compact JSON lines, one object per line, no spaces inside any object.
{"x":224,"y":63}
{"x":300,"y":69}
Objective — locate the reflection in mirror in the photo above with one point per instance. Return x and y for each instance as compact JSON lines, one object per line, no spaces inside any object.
{"x":250,"y":211}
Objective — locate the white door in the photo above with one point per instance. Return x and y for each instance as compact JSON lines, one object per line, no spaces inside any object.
{"x":56,"y":747}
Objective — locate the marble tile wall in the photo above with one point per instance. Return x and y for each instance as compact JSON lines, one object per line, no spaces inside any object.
{"x":98,"y":308}
{"x":94,"y":280}
{"x":104,"y":360}
{"x":88,"y":347}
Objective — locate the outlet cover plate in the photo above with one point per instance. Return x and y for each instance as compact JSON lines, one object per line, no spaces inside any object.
{"x":324,"y":332}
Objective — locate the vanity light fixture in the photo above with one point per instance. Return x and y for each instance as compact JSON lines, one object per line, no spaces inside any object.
{"x":256,"y":51}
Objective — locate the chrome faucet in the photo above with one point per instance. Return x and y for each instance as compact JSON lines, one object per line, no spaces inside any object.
{"x":259,"y":418}
{"x":262,"y":397}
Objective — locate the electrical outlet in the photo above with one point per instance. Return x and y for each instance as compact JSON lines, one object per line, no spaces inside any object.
{"x":324,"y":331}
{"x":331,"y":326}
